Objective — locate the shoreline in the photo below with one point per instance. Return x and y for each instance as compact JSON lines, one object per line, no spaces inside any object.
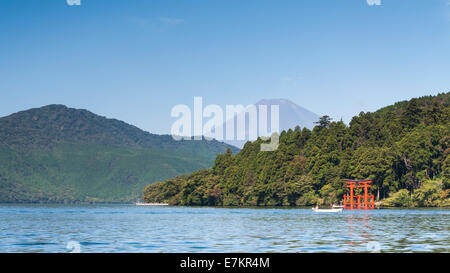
{"x":226,"y":207}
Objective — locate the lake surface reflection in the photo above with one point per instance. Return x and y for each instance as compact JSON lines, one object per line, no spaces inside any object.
{"x":127,"y":228}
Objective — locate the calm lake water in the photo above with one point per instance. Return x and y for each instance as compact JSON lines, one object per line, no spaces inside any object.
{"x":127,"y":228}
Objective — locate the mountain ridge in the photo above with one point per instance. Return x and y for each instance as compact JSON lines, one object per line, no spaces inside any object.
{"x":55,"y":154}
{"x":56,"y":122}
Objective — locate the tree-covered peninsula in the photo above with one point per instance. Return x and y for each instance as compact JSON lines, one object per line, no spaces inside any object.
{"x":404,"y":148}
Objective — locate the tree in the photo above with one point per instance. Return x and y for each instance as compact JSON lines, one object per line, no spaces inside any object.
{"x":411,"y":117}
{"x":324,"y":122}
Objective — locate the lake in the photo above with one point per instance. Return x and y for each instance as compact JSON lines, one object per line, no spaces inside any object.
{"x":129,"y":228}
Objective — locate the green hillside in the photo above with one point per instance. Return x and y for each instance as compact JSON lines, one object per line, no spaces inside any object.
{"x":60,"y":154}
{"x":404,"y":148}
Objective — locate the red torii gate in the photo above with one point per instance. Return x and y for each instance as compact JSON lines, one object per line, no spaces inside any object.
{"x":349,"y":200}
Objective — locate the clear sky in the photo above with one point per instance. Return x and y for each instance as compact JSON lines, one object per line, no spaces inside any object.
{"x":134,"y":60}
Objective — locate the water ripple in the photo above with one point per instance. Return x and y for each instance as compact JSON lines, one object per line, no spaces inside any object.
{"x":127,"y":228}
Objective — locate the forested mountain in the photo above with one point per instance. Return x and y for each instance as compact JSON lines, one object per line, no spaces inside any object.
{"x":404,"y":148}
{"x":60,"y":154}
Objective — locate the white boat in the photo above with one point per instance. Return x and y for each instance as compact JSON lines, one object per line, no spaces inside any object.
{"x":152,"y":204}
{"x":338,"y":206}
{"x":327,"y":210}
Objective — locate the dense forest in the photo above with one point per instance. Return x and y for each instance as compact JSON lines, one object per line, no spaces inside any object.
{"x":404,"y":148}
{"x":56,"y":154}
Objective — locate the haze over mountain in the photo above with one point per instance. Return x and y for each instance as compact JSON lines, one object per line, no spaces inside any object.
{"x":60,"y":154}
{"x":290,"y":116}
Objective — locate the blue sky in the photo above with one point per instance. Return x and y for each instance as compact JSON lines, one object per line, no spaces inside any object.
{"x":135,"y":60}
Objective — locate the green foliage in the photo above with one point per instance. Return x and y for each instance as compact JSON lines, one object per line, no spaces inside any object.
{"x":58,"y":154}
{"x":430,"y":194}
{"x":88,"y":173}
{"x":324,"y":122}
{"x":400,"y":147}
{"x":399,"y":199}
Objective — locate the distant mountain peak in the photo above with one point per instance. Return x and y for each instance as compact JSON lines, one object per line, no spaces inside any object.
{"x":274,"y":101}
{"x":290,"y":116}
{"x":286,"y":104}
